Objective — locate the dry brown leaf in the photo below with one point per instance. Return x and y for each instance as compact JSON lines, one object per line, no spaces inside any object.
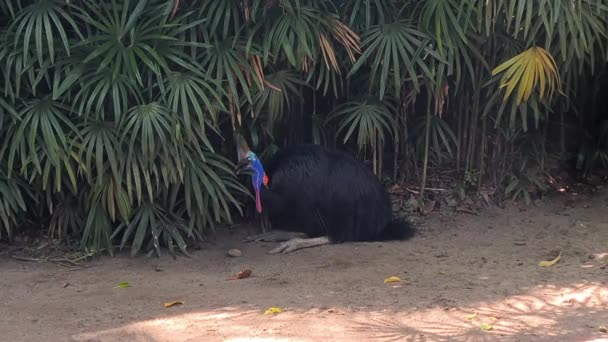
{"x":428,"y":207}
{"x":241,"y":275}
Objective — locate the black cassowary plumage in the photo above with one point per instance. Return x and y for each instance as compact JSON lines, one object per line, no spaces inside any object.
{"x":323,"y":192}
{"x":328,"y":193}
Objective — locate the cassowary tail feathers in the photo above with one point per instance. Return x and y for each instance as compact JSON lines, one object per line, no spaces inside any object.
{"x":397,"y":229}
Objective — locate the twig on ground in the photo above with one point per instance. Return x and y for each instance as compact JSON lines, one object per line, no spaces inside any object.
{"x":416,"y":192}
{"x":62,"y":261}
{"x":466,"y":210}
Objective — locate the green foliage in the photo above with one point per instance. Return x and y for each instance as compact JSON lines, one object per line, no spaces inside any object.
{"x":115,"y":115}
{"x":524,"y":182}
{"x":369,"y":119}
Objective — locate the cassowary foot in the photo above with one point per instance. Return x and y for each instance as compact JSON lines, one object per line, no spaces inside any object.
{"x":275,"y":236}
{"x":299,"y":243}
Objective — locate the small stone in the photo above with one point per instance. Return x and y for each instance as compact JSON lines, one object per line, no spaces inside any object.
{"x":451,"y":202}
{"x":235,"y":253}
{"x":603,"y":329}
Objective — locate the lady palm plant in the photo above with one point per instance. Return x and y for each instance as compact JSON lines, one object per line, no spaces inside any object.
{"x":121,"y":113}
{"x":115,"y":115}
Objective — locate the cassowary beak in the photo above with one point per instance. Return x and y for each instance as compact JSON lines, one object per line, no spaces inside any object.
{"x":243,"y":166}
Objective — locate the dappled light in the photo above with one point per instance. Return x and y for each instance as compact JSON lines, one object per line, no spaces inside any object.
{"x":465,"y":278}
{"x":538,"y":314}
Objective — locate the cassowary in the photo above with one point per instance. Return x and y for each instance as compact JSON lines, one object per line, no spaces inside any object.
{"x":319,"y":196}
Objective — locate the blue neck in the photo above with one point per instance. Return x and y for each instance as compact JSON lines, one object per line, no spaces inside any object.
{"x":257,"y":179}
{"x":258,"y":174}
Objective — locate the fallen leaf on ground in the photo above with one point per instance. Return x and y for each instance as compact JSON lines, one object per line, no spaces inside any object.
{"x":392,"y":280}
{"x":123,"y":285}
{"x":241,"y":275}
{"x":428,"y":207}
{"x":273,"y":310}
{"x":485,"y":326}
{"x":546,"y":263}
{"x":471,"y":316}
{"x":170,"y":304}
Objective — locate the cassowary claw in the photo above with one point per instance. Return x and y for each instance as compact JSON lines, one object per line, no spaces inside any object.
{"x":299,"y":243}
{"x":275,"y":236}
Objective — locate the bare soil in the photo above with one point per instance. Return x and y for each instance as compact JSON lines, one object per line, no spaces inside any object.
{"x":457,"y":265}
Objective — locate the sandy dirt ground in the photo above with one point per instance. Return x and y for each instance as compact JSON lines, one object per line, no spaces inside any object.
{"x":458,"y":265}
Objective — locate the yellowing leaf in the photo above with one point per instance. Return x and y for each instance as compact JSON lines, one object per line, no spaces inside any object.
{"x":170,"y":304}
{"x":525,"y":72}
{"x":486,"y":326}
{"x":123,"y":285}
{"x":471,"y":316}
{"x":545,"y":263}
{"x":273,"y":310}
{"x":392,"y":280}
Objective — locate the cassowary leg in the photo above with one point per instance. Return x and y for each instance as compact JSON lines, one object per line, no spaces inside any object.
{"x":276,"y":236}
{"x":299,"y":243}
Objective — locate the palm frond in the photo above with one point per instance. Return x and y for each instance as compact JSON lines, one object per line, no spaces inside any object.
{"x":525,"y":72}
{"x":369,"y":118}
{"x":399,"y":49}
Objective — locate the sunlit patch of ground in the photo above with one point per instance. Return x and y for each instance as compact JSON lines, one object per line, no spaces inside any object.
{"x":540,"y":315}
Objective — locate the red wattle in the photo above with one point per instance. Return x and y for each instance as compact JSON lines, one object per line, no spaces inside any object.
{"x":258,"y":202}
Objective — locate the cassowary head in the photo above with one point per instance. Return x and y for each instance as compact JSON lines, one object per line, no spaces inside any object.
{"x":249,"y":163}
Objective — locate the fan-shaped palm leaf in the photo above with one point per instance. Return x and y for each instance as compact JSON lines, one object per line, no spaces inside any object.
{"x":442,"y":138}
{"x":532,"y":68}
{"x":44,"y":133}
{"x":451,"y":23}
{"x":391,"y":48}
{"x":110,"y":194}
{"x":227,"y":61}
{"x":369,"y":118}
{"x":152,"y":220}
{"x":225,"y":17}
{"x":302,"y":34}
{"x":100,"y":142}
{"x":186,"y":92}
{"x":44,"y":19}
{"x":125,"y":39}
{"x":97,"y":233}
{"x":363,"y":14}
{"x":209,"y":189}
{"x":92,"y":92}
{"x":153,"y":140}
{"x":12,"y":202}
{"x":275,"y":99}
